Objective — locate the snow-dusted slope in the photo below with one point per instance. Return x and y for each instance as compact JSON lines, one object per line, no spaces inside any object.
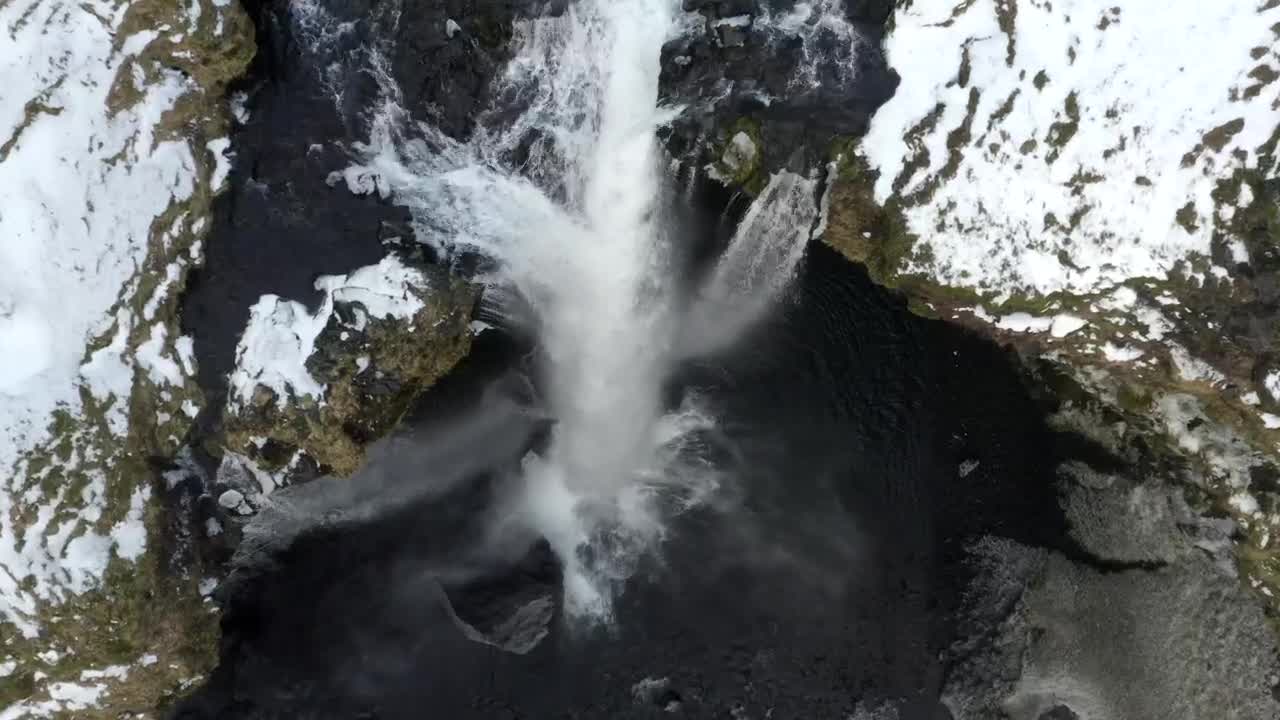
{"x":107,"y":110}
{"x":1042,"y":146}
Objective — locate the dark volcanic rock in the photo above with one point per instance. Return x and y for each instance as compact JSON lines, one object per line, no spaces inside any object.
{"x":794,"y":78}
{"x":307,"y":103}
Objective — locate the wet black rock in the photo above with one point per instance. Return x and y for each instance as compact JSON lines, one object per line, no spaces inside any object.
{"x":794,"y":78}
{"x":512,"y":608}
{"x":445,"y":54}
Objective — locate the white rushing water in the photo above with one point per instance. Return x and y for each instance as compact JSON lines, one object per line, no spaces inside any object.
{"x":580,"y":231}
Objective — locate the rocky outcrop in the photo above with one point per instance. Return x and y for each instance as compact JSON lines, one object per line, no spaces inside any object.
{"x":130,"y":286}
{"x":795,"y":79}
{"x":1185,"y":640}
{"x":312,"y":390}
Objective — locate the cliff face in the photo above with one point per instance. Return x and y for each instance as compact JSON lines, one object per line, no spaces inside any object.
{"x":1095,"y":185}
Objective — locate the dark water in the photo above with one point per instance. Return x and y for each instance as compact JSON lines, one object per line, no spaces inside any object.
{"x":825,"y":577}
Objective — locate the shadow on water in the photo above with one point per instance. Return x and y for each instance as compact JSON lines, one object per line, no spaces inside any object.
{"x":824,"y":576}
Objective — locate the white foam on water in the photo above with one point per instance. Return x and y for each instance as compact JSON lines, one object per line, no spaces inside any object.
{"x":580,"y":233}
{"x":829,"y":43}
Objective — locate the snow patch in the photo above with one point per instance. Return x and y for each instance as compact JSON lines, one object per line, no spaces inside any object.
{"x":1193,"y":368}
{"x":81,"y":185}
{"x":130,"y":534}
{"x":151,"y":357}
{"x":1064,"y":325}
{"x":281,"y":334}
{"x":1115,"y":353}
{"x":1272,"y":383}
{"x":221,"y":160}
{"x":1024,"y":322}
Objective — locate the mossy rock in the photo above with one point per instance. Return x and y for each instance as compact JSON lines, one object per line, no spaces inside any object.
{"x":373,"y":370}
{"x":735,"y":164}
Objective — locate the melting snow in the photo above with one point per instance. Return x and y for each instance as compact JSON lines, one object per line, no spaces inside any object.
{"x":1116,"y":353}
{"x":1192,"y":368}
{"x":281,"y":334}
{"x":75,"y":225}
{"x":1272,"y":383}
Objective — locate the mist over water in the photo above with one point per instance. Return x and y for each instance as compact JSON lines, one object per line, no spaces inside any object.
{"x":564,"y":189}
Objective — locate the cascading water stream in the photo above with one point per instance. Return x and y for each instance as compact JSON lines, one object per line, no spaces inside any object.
{"x":579,"y":229}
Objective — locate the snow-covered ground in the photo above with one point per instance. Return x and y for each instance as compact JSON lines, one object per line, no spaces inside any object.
{"x":1044,"y":146}
{"x":1074,"y":148}
{"x":105,"y":171}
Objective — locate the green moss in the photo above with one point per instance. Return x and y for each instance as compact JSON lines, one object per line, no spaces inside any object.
{"x":919,"y":159}
{"x":141,"y":608}
{"x":752,"y":177}
{"x":861,"y":229}
{"x":1134,"y":398}
{"x":1187,"y":217}
{"x":1265,"y":75}
{"x":18,"y":686}
{"x":966,"y":66}
{"x":1003,"y":111}
{"x":1217,"y":138}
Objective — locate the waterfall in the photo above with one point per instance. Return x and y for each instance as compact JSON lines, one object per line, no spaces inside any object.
{"x":579,"y":229}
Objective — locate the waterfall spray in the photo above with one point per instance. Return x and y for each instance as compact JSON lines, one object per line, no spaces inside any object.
{"x":579,"y":232}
